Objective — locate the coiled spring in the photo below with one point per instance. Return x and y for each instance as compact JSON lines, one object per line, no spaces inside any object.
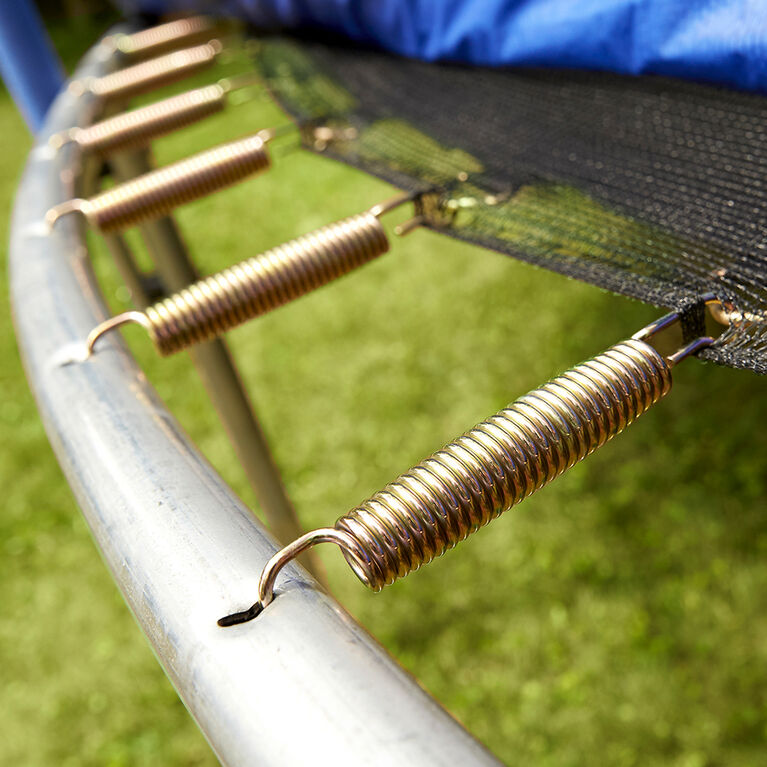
{"x":442,"y":500}
{"x":165,"y":37}
{"x":218,"y":303}
{"x":501,"y":461}
{"x":156,"y":193}
{"x":137,"y":128}
{"x":152,"y":74}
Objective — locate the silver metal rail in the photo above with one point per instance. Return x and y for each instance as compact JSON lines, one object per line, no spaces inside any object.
{"x":303,"y":684}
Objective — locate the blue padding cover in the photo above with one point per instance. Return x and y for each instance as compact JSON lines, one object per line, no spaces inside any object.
{"x":723,"y":41}
{"x":28,"y":63}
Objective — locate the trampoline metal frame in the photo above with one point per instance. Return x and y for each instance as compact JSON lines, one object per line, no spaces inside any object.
{"x":303,"y":683}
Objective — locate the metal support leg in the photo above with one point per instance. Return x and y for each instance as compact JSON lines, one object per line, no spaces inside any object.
{"x":129,"y":271}
{"x":218,"y":372}
{"x":139,"y":283}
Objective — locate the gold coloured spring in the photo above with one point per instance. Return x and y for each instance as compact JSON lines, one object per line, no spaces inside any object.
{"x":213,"y":305}
{"x":137,"y":128}
{"x":150,"y":75}
{"x":472,"y":480}
{"x":165,"y":37}
{"x":156,"y":193}
{"x":441,"y":501}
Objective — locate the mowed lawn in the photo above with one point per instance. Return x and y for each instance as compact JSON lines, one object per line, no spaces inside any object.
{"x":617,"y":618}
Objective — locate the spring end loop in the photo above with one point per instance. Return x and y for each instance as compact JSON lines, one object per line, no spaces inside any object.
{"x":58,"y":140}
{"x":689,"y":350}
{"x":708,"y":305}
{"x":424,"y":203}
{"x":78,"y":88}
{"x":277,"y":562}
{"x":408,"y":226}
{"x":76,"y":205}
{"x":393,"y":202}
{"x":139,"y":318}
{"x":236,"y":82}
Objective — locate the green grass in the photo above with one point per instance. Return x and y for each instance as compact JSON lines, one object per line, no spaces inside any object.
{"x":616,"y":618}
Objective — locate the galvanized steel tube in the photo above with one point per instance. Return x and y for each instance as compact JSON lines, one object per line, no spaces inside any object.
{"x":303,"y":684}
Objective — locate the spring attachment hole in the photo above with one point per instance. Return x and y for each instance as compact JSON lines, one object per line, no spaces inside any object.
{"x":278,"y":561}
{"x":241,"y":617}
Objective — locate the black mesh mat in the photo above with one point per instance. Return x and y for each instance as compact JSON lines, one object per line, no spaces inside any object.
{"x":649,"y":187}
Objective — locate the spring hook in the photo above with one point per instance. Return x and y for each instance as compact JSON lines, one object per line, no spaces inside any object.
{"x":149,"y":75}
{"x":429,"y":210}
{"x":138,"y":127}
{"x":472,"y":480}
{"x":218,"y":303}
{"x":163,"y":37}
{"x":156,"y":193}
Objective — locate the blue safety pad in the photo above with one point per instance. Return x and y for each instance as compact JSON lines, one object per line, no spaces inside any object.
{"x":29,"y":66}
{"x":721,"y":41}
